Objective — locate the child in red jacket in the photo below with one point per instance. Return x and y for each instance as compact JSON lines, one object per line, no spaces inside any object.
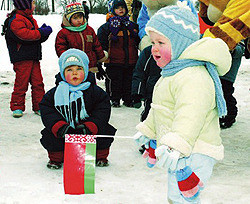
{"x":24,"y":38}
{"x":76,"y":33}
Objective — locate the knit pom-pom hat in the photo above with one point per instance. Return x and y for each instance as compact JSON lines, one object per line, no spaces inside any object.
{"x":72,"y":9}
{"x":74,"y":57}
{"x":178,"y":24}
{"x":22,"y":4}
{"x":116,"y":4}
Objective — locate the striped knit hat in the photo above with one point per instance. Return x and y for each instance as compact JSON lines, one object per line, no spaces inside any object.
{"x":72,"y":9}
{"x":22,"y":4}
{"x":178,"y":24}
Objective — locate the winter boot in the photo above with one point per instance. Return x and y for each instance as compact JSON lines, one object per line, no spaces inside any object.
{"x":54,"y":165}
{"x":102,"y":163}
{"x":116,"y":104}
{"x":17,"y":113}
{"x":128,"y":104}
{"x":101,"y":157}
{"x":232,"y":110}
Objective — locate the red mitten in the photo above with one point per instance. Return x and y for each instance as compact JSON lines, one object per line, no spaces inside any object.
{"x":189,"y":183}
{"x":150,"y":153}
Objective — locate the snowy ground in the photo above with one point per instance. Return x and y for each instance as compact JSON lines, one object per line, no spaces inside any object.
{"x":24,"y":177}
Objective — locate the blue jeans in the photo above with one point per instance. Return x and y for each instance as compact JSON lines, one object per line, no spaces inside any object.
{"x":201,"y":165}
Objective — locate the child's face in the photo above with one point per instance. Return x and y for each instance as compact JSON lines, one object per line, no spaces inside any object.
{"x":33,"y":6}
{"x":74,"y":75}
{"x":120,"y":11}
{"x":76,"y":20}
{"x":161,"y":49}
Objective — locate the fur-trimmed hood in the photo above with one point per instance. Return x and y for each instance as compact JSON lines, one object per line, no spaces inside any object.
{"x":213,"y":50}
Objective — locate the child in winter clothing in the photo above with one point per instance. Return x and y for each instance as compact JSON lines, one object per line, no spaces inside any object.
{"x":187,"y":102}
{"x":229,"y":21}
{"x":119,"y":37}
{"x":145,"y":75}
{"x":24,"y":38}
{"x":76,"y":33}
{"x":75,"y":106}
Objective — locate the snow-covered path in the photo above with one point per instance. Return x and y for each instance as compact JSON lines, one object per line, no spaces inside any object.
{"x":24,"y":177}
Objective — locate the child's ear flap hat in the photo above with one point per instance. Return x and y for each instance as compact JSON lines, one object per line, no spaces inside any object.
{"x":22,"y":4}
{"x":178,"y":24}
{"x":72,"y":9}
{"x":116,"y":4}
{"x":74,"y":57}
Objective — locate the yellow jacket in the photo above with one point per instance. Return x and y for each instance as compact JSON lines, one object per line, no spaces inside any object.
{"x":231,"y":18}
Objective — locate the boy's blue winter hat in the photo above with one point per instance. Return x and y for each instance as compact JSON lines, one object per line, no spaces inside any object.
{"x":178,"y":24}
{"x":116,"y":4}
{"x":74,"y":57}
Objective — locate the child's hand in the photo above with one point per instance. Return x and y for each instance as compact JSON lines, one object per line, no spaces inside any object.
{"x":141,"y":139}
{"x":189,"y":183}
{"x":82,"y":129}
{"x":43,"y":25}
{"x":168,"y":157}
{"x":150,"y":153}
{"x":45,"y":31}
{"x":101,"y":74}
{"x":66,"y":129}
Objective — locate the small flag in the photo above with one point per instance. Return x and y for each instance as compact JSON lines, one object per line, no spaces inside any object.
{"x":79,"y":164}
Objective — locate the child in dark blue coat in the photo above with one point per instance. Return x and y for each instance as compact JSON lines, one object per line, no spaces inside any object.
{"x":119,"y":37}
{"x":75,"y":106}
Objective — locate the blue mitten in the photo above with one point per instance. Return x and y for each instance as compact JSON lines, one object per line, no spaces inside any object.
{"x":43,"y":25}
{"x":45,"y":31}
{"x":115,"y":25}
{"x":189,"y":183}
{"x":150,"y":154}
{"x":141,"y":139}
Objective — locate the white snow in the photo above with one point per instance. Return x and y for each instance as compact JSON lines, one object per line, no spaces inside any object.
{"x":24,"y":177}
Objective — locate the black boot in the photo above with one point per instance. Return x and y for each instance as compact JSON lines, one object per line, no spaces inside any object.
{"x":232,"y":110}
{"x":115,"y":104}
{"x":54,"y":165}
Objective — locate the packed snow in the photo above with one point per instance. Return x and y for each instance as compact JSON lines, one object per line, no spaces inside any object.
{"x":24,"y":177}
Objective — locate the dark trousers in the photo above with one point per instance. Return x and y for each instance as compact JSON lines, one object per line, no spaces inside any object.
{"x":231,"y":102}
{"x":119,"y":81}
{"x":147,"y":107}
{"x":228,"y":80}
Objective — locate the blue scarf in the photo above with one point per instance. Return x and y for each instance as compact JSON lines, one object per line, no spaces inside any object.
{"x":65,"y":95}
{"x":177,"y":65}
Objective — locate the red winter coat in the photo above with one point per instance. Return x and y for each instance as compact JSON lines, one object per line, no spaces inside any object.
{"x":23,"y":37}
{"x":85,"y":40}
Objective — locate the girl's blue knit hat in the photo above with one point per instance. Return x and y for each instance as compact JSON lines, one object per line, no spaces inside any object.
{"x":178,"y":24}
{"x":74,"y":57}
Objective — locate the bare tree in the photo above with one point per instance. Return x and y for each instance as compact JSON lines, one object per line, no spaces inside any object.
{"x":92,"y":4}
{"x":53,"y":5}
{"x":9,"y":5}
